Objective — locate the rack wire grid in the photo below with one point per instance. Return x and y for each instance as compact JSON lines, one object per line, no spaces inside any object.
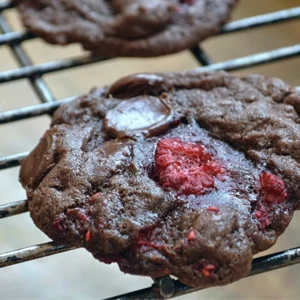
{"x":165,"y":287}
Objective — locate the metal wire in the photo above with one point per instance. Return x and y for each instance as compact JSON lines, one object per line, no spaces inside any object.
{"x":31,"y":111}
{"x":234,"y":64}
{"x":260,"y":265}
{"x":33,"y":252}
{"x":262,"y":20}
{"x":253,"y":60}
{"x":201,"y":56}
{"x":22,"y":58}
{"x":59,"y":65}
{"x":48,"y":67}
{"x":163,"y":287}
{"x":14,"y":208}
{"x":6,"y":5}
{"x":15,"y":37}
{"x":12,"y":160}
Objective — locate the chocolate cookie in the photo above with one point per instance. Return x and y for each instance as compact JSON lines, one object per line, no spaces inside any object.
{"x":188,"y":174}
{"x":126,"y":27}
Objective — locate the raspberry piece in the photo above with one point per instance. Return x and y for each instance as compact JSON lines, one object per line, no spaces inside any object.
{"x":149,"y":244}
{"x":57,"y":224}
{"x":186,"y":167}
{"x":272,"y":191}
{"x":205,"y":272}
{"x":88,"y":236}
{"x":78,"y":213}
{"x":191,"y":235}
{"x":146,"y":236}
{"x":272,"y":188}
{"x":213,"y":209}
{"x":92,"y":200}
{"x":263,"y":215}
{"x":208,"y":269}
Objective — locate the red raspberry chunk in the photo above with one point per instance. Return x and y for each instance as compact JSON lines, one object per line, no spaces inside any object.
{"x":272,"y":191}
{"x":57,"y":224}
{"x":88,"y":236}
{"x":208,"y":269}
{"x":186,"y":167}
{"x":272,"y":188}
{"x":263,"y":215}
{"x":191,"y":235}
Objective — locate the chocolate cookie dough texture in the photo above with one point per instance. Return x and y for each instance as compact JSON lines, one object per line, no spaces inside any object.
{"x":126,"y":27}
{"x":188,"y":174}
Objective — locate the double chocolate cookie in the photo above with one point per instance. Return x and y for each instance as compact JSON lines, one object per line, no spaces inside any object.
{"x":126,"y":27}
{"x":188,"y":174}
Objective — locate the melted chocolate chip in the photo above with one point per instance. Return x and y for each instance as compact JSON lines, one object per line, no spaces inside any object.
{"x":40,"y":162}
{"x":111,"y":158}
{"x":143,"y":115}
{"x":114,"y":148}
{"x":138,"y":84}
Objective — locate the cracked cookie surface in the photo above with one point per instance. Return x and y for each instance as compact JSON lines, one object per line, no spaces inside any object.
{"x":188,"y":174}
{"x":126,"y":27}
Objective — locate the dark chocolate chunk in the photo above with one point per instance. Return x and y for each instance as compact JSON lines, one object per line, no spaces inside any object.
{"x":142,"y":115}
{"x":137,"y":84}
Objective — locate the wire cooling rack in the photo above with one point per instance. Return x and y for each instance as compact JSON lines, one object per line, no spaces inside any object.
{"x":165,"y":287}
